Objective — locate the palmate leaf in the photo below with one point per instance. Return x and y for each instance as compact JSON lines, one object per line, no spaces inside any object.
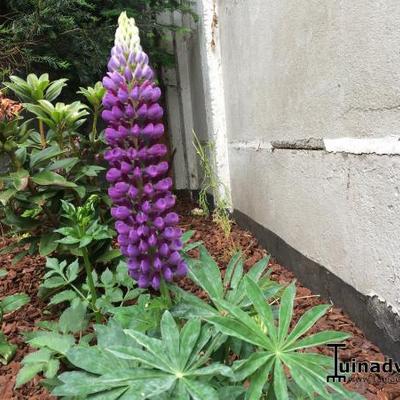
{"x":279,"y":349}
{"x":258,"y":381}
{"x":141,"y":383}
{"x":205,"y":273}
{"x":264,"y":310}
{"x":131,"y":365}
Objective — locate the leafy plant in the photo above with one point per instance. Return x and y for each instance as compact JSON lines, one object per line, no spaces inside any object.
{"x":209,"y":352}
{"x":212,"y":185}
{"x":94,"y":96}
{"x":145,"y":367}
{"x":46,"y":165}
{"x":53,"y":341}
{"x":36,"y":89}
{"x":7,"y":305}
{"x":205,"y":273}
{"x":278,"y":348}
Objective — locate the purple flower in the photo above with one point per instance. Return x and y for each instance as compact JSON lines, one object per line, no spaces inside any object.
{"x":140,"y":190}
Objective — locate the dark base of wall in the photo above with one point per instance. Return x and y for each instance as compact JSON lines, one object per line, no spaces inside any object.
{"x":375,"y":318}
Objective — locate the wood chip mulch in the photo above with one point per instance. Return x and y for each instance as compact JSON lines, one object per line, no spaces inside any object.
{"x":26,"y":276}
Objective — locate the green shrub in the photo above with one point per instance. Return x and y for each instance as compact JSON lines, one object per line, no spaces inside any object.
{"x":52,"y":153}
{"x":72,"y":38}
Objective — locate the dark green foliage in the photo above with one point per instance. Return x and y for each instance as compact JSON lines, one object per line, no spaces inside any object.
{"x":72,"y":38}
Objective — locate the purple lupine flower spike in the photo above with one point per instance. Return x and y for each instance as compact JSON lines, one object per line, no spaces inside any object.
{"x":139,"y":190}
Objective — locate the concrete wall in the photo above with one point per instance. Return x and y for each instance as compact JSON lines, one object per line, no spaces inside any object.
{"x":311,"y":126}
{"x":318,"y":69}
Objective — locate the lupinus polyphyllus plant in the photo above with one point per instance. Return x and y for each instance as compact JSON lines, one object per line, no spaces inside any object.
{"x":140,"y":191}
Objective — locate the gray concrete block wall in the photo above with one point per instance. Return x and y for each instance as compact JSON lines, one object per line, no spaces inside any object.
{"x":292,"y":71}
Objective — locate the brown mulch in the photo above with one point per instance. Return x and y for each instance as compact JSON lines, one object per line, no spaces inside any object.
{"x":26,"y":276}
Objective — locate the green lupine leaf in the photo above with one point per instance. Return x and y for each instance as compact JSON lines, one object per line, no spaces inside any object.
{"x":230,"y":392}
{"x":306,"y":322}
{"x":305,"y":384}
{"x":189,"y":335}
{"x":152,"y":345}
{"x":256,"y":271}
{"x":214,"y":369}
{"x":95,"y":360}
{"x":314,"y":376}
{"x":258,"y":381}
{"x":138,"y":380}
{"x":286,"y":311}
{"x":319,"y":339}
{"x":244,"y":319}
{"x":244,"y":368}
{"x":256,"y":296}
{"x":68,"y":240}
{"x":200,"y":390}
{"x":180,"y":392}
{"x":313,"y":358}
{"x":191,"y":305}
{"x":151,"y":388}
{"x":144,"y":357}
{"x":280,"y":384}
{"x":233,"y":327}
{"x":231,"y":268}
{"x":111,"y":334}
{"x":112,"y":394}
{"x":205,"y":273}
{"x":170,"y":338}
{"x":187,"y":235}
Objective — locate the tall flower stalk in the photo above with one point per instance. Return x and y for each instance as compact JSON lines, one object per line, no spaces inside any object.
{"x":140,"y":189}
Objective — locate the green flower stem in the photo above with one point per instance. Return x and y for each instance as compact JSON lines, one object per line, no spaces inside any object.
{"x":88,"y":268}
{"x":165,"y":293}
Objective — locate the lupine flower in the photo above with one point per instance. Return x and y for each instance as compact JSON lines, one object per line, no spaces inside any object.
{"x":140,"y":190}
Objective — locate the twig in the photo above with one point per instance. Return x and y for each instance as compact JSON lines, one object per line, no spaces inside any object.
{"x":297,"y":298}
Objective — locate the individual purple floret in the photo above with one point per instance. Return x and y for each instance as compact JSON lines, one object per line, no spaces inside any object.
{"x":140,"y":190}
